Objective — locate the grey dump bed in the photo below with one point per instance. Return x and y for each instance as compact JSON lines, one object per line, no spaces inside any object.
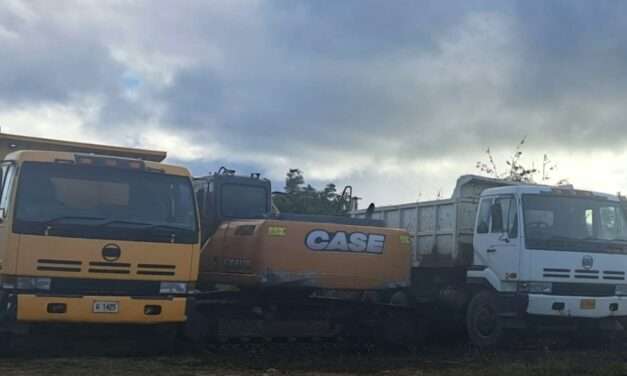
{"x":441,"y":230}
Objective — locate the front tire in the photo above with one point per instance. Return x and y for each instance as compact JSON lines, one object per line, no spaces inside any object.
{"x":484,"y":326}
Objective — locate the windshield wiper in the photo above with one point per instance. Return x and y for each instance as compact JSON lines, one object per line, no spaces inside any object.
{"x":169,"y":228}
{"x":127,"y":223}
{"x":56,"y":220}
{"x":149,"y":227}
{"x":144,"y":225}
{"x":49,"y":223}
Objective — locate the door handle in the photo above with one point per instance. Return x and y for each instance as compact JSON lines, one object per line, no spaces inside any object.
{"x":491,"y":250}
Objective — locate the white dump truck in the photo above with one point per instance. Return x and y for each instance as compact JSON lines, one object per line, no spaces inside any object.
{"x":509,"y":255}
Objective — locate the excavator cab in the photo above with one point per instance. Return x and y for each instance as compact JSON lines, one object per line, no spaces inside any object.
{"x":224,"y":196}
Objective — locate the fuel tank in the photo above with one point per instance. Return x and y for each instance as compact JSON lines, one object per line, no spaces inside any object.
{"x":299,"y":254}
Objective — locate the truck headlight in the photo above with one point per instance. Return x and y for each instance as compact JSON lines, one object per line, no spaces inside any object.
{"x":28,"y":283}
{"x":173,"y":288}
{"x":536,"y":287}
{"x":621,"y":290}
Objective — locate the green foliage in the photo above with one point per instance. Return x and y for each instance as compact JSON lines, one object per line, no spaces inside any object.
{"x":303,"y":198}
{"x":517,"y":172}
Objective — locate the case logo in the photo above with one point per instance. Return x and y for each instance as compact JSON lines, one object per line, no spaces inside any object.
{"x":321,"y":240}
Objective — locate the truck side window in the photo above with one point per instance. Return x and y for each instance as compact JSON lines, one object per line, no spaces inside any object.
{"x":611,"y":223}
{"x":483,"y":221}
{"x":8,"y":171}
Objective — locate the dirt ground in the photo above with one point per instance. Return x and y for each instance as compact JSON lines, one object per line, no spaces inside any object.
{"x":104,"y":356}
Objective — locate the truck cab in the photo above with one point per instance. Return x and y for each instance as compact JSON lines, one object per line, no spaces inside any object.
{"x":551,"y":252}
{"x":94,"y":238}
{"x":224,"y":196}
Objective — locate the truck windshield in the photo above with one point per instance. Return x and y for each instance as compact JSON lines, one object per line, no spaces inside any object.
{"x":102,"y":202}
{"x":244,"y":201}
{"x":555,"y":222}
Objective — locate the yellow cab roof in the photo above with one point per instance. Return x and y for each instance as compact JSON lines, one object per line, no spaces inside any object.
{"x":53,"y":156}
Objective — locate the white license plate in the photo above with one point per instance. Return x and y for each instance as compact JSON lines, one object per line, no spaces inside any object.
{"x":106,"y":307}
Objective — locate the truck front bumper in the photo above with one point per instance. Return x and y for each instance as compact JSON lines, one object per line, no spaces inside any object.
{"x":577,"y":306}
{"x":80,"y":309}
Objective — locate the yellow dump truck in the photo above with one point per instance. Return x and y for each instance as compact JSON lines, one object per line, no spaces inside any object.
{"x":265,"y":274}
{"x":94,"y":234}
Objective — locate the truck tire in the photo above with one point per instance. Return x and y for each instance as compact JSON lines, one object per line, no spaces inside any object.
{"x":484,"y":326}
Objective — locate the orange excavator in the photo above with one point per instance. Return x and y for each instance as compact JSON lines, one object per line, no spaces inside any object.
{"x":269,"y":274}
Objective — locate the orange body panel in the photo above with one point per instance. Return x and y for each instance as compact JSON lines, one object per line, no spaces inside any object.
{"x":263,"y":253}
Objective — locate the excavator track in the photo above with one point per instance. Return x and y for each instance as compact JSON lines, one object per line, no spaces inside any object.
{"x":243,"y":319}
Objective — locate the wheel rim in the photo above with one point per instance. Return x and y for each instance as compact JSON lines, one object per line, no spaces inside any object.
{"x":485,"y":321}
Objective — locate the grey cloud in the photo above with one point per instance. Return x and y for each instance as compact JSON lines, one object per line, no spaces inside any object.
{"x":47,"y":62}
{"x":406,"y":80}
{"x":570,"y":49}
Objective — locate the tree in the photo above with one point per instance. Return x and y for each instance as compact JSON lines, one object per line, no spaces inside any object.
{"x":303,"y":198}
{"x":294,"y":181}
{"x":517,"y":171}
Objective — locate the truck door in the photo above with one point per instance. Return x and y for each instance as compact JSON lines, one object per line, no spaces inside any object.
{"x":7,"y":175}
{"x":497,"y":238}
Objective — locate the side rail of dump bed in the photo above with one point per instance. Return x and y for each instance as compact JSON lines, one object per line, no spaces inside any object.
{"x":441,"y":230}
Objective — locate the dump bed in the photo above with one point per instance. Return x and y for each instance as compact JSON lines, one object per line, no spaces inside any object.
{"x":441,"y":230}
{"x":10,"y":143}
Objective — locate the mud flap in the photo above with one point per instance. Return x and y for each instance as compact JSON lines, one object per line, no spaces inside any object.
{"x":512,"y":309}
{"x":197,"y":327}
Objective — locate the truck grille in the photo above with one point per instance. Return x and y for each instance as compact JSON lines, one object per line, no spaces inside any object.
{"x":556,"y":273}
{"x":48,"y":265}
{"x":614,"y":275}
{"x":608,"y":275}
{"x":100,"y":267}
{"x":155,"y":269}
{"x":109,"y":268}
{"x":583,"y":289}
{"x":586,"y":274}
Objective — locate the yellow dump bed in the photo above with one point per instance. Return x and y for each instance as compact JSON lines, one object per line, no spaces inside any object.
{"x":270,"y":253}
{"x":10,"y":143}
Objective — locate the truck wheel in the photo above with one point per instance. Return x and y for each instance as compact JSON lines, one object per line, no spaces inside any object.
{"x":483,"y":324}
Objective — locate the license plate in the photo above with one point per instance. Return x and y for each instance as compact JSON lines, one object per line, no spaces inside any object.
{"x":106,"y":307}
{"x":587,"y":304}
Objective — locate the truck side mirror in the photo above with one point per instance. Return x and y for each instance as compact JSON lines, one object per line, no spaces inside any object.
{"x":200,"y":200}
{"x":497,"y":218}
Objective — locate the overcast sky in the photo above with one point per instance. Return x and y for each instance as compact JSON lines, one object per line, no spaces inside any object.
{"x":397,"y":98}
